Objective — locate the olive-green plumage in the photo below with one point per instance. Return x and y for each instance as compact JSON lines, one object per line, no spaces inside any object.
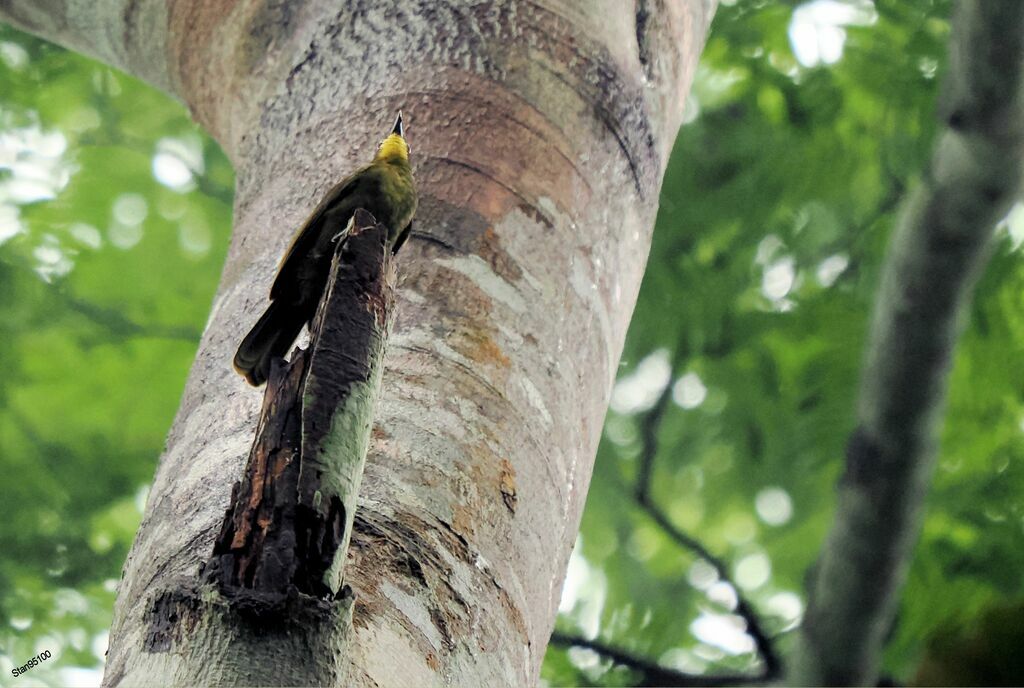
{"x":385,"y":189}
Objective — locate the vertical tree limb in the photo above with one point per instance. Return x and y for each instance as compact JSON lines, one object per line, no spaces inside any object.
{"x":940,"y":245}
{"x":290,"y":518}
{"x":339,"y":398}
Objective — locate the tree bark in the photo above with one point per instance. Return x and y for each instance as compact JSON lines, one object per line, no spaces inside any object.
{"x":940,"y":246}
{"x":540,"y":131}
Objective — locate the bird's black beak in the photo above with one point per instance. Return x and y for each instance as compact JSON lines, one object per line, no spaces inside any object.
{"x":398,"y":128}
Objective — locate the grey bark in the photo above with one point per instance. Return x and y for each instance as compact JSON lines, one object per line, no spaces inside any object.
{"x":540,"y":132}
{"x":939,"y":248}
{"x":126,"y":34}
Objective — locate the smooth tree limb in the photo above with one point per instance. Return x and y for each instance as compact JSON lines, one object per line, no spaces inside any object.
{"x":941,"y":243}
{"x":540,"y":132}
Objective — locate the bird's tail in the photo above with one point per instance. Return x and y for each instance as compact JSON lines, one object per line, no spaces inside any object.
{"x":270,"y":337}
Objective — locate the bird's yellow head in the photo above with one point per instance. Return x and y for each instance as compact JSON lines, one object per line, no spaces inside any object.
{"x":394,"y":147}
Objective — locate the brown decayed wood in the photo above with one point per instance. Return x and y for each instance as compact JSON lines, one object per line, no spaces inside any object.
{"x":284,"y":527}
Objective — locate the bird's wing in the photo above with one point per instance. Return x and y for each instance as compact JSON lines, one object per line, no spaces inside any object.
{"x":306,"y":238}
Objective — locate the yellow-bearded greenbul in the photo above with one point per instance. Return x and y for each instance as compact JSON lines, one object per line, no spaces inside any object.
{"x":384,"y":188}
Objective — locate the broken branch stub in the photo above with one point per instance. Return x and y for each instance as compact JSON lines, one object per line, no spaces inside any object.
{"x":290,"y":518}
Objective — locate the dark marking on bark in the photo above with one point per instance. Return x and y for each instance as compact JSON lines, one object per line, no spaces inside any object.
{"x":507,"y":485}
{"x":272,"y":23}
{"x":863,"y":459}
{"x":176,"y":613}
{"x":529,"y":206}
{"x":620,"y":124}
{"x":404,"y":541}
{"x":616,"y":98}
{"x":519,"y":113}
{"x":170,"y":615}
{"x":431,"y":239}
{"x":643,"y":14}
{"x":286,"y":526}
{"x":415,"y":570}
{"x":609,"y":121}
{"x":317,"y":541}
{"x":308,"y":58}
{"x":441,"y":624}
{"x":129,"y":21}
{"x":457,"y":230}
{"x":416,"y":551}
{"x":956,"y":120}
{"x":513,"y":199}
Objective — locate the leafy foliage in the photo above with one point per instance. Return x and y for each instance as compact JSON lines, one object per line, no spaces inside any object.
{"x":775,"y":212}
{"x":774,"y":218}
{"x":107,"y":276}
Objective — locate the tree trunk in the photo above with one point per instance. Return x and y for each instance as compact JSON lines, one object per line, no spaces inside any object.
{"x":939,"y":248}
{"x":540,"y":131}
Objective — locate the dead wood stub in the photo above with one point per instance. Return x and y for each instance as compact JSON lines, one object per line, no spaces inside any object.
{"x":291,"y":514}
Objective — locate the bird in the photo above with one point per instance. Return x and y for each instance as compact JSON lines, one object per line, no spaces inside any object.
{"x":386,"y":190}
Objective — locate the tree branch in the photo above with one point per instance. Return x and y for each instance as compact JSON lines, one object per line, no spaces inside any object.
{"x":649,"y":433}
{"x":118,"y":325}
{"x":121,"y":326}
{"x":128,"y":34}
{"x":940,"y":245}
{"x":651,"y":673}
{"x":772,"y":665}
{"x":649,"y":427}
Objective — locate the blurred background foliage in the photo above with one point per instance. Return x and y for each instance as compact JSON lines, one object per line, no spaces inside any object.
{"x":115,"y":214}
{"x":735,"y":396}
